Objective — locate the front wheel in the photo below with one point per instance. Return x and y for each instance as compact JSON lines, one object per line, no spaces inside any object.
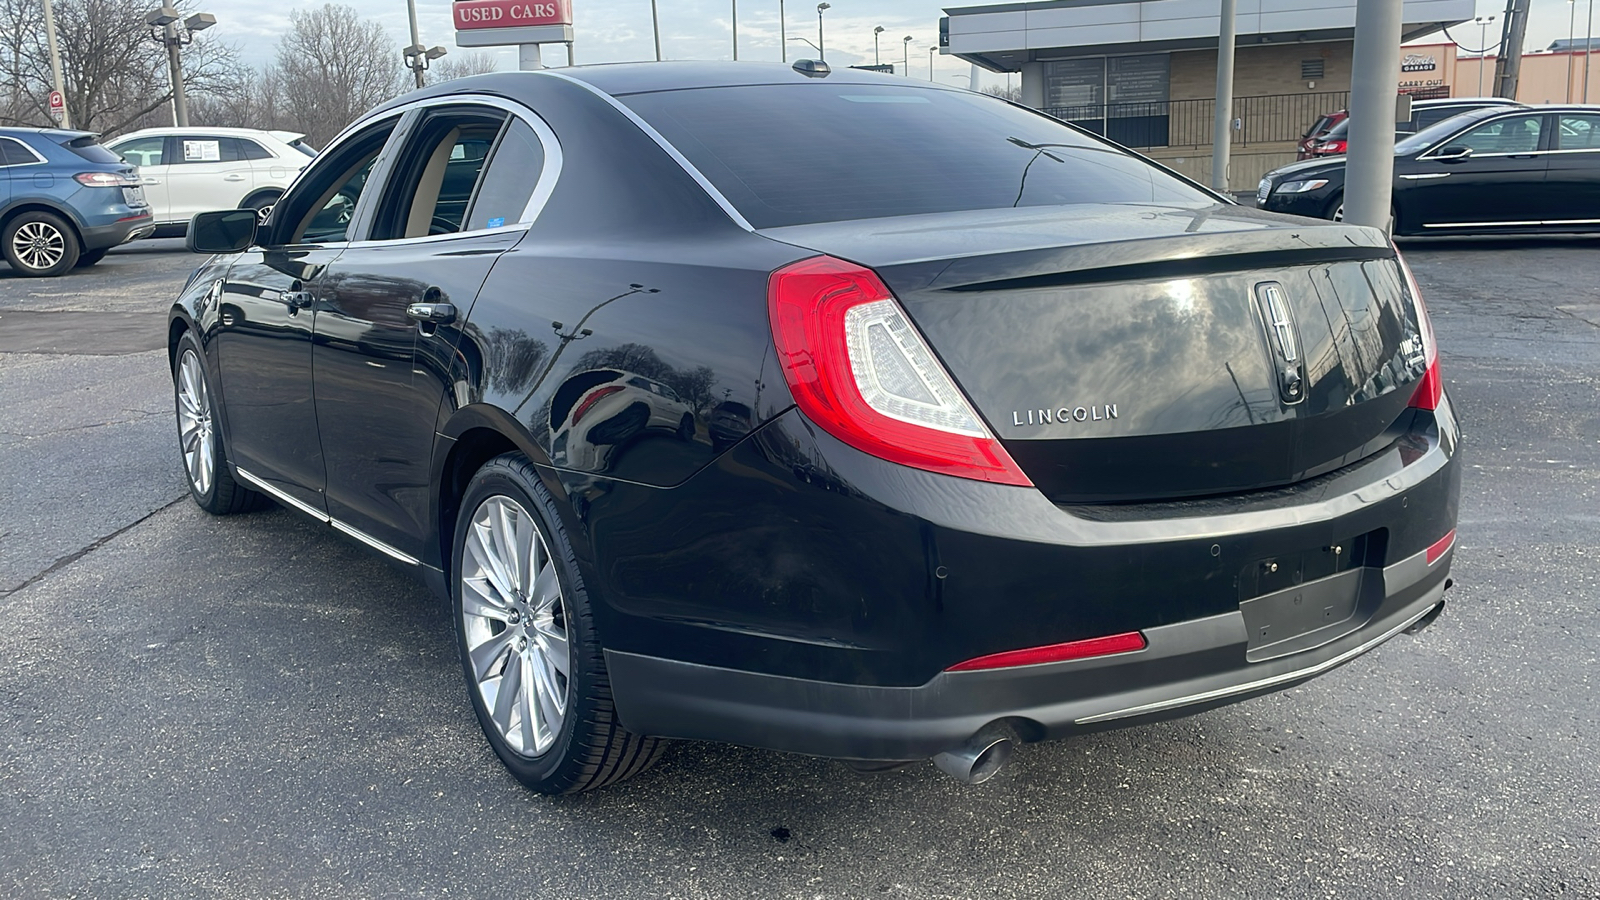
{"x":40,"y":245}
{"x":533,"y":663}
{"x":262,"y":204}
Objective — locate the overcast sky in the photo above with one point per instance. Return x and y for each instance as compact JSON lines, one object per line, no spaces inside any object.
{"x":619,"y":30}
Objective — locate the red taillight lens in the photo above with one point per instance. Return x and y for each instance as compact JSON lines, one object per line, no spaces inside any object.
{"x":104,"y":179}
{"x":1100,"y":646}
{"x":1441,"y":547}
{"x":1430,"y":390}
{"x":1331,"y":148}
{"x":862,"y":373}
{"x":595,"y":396}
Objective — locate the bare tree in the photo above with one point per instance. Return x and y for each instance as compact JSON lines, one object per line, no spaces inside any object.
{"x":114,"y":72}
{"x":333,"y":66}
{"x":462,"y":65}
{"x":1014,"y":94}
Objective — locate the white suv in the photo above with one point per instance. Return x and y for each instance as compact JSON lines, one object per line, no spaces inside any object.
{"x":194,"y":170}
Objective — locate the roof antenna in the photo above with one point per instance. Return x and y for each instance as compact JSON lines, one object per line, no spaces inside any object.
{"x":812,"y":68}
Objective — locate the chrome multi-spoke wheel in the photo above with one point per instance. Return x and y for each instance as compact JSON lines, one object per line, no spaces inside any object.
{"x":40,"y":245}
{"x":514,"y":622}
{"x":196,"y":435}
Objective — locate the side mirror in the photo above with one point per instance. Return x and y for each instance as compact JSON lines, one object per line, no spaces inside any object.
{"x":1453,"y":154}
{"x":225,"y":231}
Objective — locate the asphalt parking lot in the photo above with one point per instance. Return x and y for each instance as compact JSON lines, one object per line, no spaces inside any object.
{"x":256,"y":707}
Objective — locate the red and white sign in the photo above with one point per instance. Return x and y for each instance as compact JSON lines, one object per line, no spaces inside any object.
{"x":471,"y":15}
{"x":58,"y":105}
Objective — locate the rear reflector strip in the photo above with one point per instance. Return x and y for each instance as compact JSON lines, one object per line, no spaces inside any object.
{"x":1100,"y":646}
{"x":1439,"y":549}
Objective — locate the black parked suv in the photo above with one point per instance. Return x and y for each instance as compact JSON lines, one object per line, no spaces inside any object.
{"x":720,"y":410}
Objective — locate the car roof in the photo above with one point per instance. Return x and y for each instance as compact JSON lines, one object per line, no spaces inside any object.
{"x":61,"y":133}
{"x":222,"y":131}
{"x":633,"y":78}
{"x":1465,"y":101}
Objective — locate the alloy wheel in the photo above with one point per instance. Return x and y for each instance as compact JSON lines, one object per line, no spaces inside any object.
{"x":515,"y":624}
{"x":39,"y":245}
{"x":1338,"y":214}
{"x":196,"y":435}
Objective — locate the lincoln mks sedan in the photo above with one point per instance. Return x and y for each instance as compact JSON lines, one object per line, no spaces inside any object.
{"x":821,"y":411}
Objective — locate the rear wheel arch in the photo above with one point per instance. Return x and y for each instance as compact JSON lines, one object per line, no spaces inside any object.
{"x":264,"y":195}
{"x":34,"y":206}
{"x":476,"y":435}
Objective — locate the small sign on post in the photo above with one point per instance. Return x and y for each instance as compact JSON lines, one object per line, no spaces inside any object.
{"x":507,"y":23}
{"x":58,"y":106}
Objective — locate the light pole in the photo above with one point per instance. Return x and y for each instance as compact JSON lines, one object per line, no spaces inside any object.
{"x":1588,"y":51}
{"x":905,"y":45}
{"x":821,"y":53}
{"x":931,"y":52}
{"x":655,"y":28}
{"x":55,"y":63}
{"x":783,"y":39}
{"x":1483,"y":23}
{"x":1572,"y":44}
{"x":418,"y":57}
{"x":735,"y":5}
{"x":166,"y":28}
{"x":876,"y":59}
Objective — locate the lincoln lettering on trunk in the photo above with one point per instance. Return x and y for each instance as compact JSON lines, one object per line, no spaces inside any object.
{"x":1064,"y":415}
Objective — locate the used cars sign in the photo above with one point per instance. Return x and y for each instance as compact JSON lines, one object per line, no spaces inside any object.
{"x":476,"y":14}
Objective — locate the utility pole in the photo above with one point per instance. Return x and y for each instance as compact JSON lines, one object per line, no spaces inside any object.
{"x":905,"y":44}
{"x":876,"y":59}
{"x":55,"y":62}
{"x":735,"y":4}
{"x":1508,"y":68}
{"x":783,"y":37}
{"x":655,"y":27}
{"x":1369,"y":170}
{"x":1222,"y":116}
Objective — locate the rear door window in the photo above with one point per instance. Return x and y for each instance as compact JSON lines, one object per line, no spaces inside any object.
{"x":145,"y":151}
{"x":12,"y":153}
{"x":1578,"y":132}
{"x":792,"y":154}
{"x":514,"y":171}
{"x":437,"y":173}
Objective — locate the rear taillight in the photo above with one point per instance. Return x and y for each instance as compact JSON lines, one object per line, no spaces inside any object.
{"x":1430,"y":390}
{"x":1330,"y":148}
{"x":1032,"y":656}
{"x":595,"y":396}
{"x":858,"y":369}
{"x":105,"y":179}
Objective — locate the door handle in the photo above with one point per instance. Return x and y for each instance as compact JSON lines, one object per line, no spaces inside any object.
{"x":152,"y":181}
{"x":296,"y":300}
{"x":432,"y":313}
{"x":1524,"y":156}
{"x":233,"y":178}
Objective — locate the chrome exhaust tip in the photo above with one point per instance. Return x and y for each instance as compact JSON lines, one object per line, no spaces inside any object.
{"x":979,"y":759}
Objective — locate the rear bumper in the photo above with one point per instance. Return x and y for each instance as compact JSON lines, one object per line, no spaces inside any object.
{"x":96,"y":237}
{"x":1186,"y":667}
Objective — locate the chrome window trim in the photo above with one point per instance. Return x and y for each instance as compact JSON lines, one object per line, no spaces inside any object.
{"x":279,"y":495}
{"x":553,"y":161}
{"x":37,"y":159}
{"x":1424,"y":176}
{"x":1511,"y":112}
{"x":699,"y":177}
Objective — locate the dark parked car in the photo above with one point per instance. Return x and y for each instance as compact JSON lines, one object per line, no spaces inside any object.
{"x":996,"y":432}
{"x":64,"y":200}
{"x":1521,"y":169}
{"x":1424,"y":114}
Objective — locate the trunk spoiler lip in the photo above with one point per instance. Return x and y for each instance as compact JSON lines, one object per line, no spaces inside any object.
{"x":1162,"y":267}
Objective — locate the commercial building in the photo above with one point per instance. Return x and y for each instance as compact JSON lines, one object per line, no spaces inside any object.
{"x":1143,"y":72}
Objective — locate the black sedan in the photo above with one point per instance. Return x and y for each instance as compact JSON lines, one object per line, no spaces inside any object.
{"x":1493,"y":170}
{"x":833,"y":413}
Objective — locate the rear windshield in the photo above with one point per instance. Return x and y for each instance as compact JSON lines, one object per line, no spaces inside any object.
{"x":800,"y":153}
{"x":90,"y":149}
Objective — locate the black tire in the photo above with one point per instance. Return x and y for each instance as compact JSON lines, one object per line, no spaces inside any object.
{"x":219,"y":494}
{"x":591,"y":749}
{"x":1335,"y":207}
{"x":262,"y":203}
{"x":53,"y":251}
{"x":89,"y":257}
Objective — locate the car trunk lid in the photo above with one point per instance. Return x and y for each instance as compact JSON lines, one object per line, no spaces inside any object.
{"x":1132,"y":353}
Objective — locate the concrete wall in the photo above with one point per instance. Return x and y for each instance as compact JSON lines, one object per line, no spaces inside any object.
{"x":1262,"y":70}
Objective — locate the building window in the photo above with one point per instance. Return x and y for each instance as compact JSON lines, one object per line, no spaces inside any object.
{"x":1121,"y":97}
{"x":1311,"y":69}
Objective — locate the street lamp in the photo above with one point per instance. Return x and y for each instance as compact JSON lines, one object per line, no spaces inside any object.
{"x":1483,"y":43}
{"x":418,"y":57}
{"x":878,"y":61}
{"x":167,"y":29}
{"x":905,"y":44}
{"x":931,"y":52}
{"x":821,"y":54}
{"x":735,"y":5}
